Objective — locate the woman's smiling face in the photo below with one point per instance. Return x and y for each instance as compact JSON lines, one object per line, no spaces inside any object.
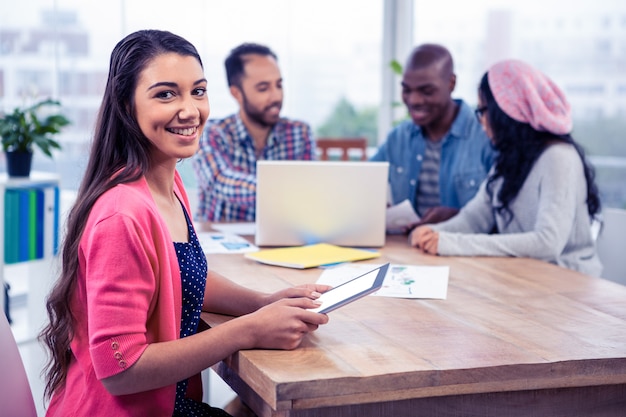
{"x":171,"y":105}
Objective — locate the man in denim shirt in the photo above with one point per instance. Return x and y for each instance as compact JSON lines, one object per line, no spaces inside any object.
{"x":438,"y":160}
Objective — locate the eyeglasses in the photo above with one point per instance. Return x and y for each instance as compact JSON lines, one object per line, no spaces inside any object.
{"x":480,"y":111}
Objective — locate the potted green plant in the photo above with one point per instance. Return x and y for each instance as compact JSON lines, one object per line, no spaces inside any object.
{"x":23,"y":129}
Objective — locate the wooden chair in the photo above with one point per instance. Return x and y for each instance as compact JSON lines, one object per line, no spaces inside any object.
{"x":344,"y":144}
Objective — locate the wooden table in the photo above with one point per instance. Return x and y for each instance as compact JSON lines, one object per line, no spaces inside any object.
{"x":515,"y":337}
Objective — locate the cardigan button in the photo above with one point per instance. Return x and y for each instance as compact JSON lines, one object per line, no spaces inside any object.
{"x":115,"y":346}
{"x":117,"y":355}
{"x":122,"y":363}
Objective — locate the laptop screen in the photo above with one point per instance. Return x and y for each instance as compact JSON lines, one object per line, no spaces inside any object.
{"x":305,"y":202}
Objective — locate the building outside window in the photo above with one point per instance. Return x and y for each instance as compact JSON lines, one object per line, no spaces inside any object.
{"x":330,"y":55}
{"x":579,"y":45}
{"x":328,"y":51}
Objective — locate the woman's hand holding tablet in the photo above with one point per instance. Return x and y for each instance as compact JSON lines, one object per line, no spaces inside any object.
{"x":352,"y":290}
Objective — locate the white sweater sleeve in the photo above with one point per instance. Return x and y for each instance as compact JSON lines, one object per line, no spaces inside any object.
{"x":544,"y":212}
{"x":475,"y":217}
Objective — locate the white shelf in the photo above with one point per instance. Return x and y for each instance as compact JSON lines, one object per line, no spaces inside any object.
{"x":32,"y":278}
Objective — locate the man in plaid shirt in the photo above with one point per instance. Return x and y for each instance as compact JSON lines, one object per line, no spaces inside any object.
{"x":225,"y":164}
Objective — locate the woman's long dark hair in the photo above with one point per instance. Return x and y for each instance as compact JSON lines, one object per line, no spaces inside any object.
{"x":119,"y":154}
{"x":519,"y":145}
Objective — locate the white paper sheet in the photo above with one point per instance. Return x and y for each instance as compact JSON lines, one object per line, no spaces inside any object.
{"x":400,"y":216}
{"x":401,"y":281}
{"x":217,"y":242}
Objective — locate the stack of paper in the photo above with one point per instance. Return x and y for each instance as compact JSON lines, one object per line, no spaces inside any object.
{"x":310,"y":256}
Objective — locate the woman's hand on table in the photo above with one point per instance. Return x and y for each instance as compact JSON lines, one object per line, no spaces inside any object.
{"x":426,"y":239}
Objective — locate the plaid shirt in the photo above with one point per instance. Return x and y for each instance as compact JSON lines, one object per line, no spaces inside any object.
{"x":225,"y":165}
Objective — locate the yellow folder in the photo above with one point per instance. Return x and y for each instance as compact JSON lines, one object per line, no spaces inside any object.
{"x":310,"y":256}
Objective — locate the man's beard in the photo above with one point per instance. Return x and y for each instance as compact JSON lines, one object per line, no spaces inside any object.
{"x":258,"y":116}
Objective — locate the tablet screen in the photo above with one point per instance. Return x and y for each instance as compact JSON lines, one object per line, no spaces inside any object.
{"x":352,"y":290}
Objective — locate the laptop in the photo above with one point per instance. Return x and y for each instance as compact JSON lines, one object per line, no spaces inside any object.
{"x":305,"y":202}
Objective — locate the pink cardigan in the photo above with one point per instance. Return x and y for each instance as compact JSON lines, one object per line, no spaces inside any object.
{"x":128,"y":295}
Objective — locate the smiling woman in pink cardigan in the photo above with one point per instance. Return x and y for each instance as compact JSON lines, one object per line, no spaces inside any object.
{"x":124,"y":314}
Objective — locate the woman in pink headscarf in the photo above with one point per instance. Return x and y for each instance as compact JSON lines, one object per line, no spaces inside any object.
{"x":540,"y":197}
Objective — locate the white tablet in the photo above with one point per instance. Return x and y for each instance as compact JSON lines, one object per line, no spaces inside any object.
{"x":352,"y":290}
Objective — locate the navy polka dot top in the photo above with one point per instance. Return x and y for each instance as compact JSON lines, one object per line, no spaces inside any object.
{"x":193,"y":271}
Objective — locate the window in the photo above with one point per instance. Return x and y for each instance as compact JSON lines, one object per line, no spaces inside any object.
{"x":577,"y":44}
{"x":328,"y":51}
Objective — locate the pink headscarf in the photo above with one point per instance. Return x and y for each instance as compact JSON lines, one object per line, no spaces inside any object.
{"x":528,"y":96}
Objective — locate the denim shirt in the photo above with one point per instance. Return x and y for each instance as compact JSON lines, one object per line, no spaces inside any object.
{"x":466,"y":157}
